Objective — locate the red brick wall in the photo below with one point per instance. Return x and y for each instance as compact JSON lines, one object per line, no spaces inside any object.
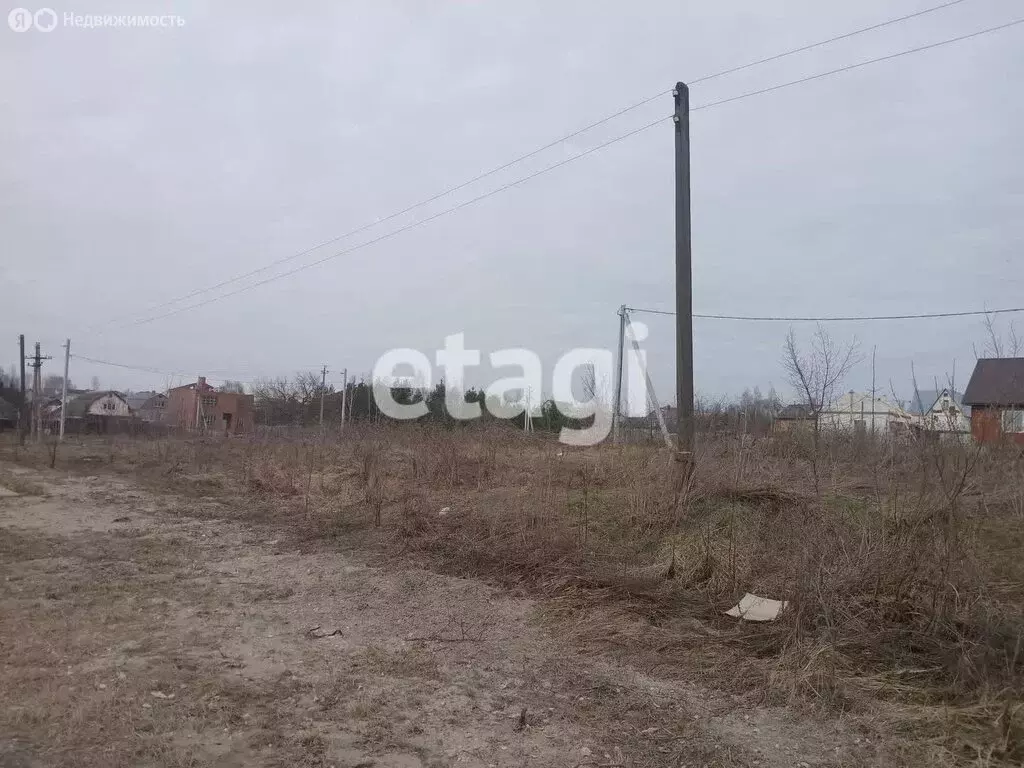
{"x":986,"y":426}
{"x":181,"y":408}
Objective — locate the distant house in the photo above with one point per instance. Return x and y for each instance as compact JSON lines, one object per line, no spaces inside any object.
{"x":995,"y":394}
{"x":148,"y":406}
{"x":793,"y":416}
{"x":201,"y":407}
{"x":8,"y":415}
{"x":859,"y":413}
{"x":102,"y":411}
{"x":941,"y":411}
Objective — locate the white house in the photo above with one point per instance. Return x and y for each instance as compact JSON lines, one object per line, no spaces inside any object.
{"x":941,"y":411}
{"x":863,"y":414}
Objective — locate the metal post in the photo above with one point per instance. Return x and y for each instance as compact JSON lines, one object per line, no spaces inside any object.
{"x":64,"y":388}
{"x":22,"y":420}
{"x":651,"y":394}
{"x":684,"y":284}
{"x":617,"y":407}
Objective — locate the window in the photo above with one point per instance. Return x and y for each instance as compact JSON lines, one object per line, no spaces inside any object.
{"x":1013,"y":421}
{"x":209,"y":401}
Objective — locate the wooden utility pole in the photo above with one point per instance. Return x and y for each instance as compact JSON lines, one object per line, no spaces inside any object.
{"x":22,"y":411}
{"x":873,"y":405}
{"x":344,"y":397}
{"x":617,"y":408}
{"x":37,"y":411}
{"x":323,"y":389}
{"x":684,"y":284}
{"x":64,"y":387}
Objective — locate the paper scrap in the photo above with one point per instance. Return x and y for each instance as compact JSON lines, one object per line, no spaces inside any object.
{"x":755,"y":608}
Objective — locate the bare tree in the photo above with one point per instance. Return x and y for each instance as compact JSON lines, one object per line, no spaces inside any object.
{"x":233,"y":386}
{"x":307,"y":387}
{"x":996,"y":345}
{"x":816,"y":374}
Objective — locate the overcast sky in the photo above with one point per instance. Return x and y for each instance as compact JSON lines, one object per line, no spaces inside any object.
{"x":140,"y":165}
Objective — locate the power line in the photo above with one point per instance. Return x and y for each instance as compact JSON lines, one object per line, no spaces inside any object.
{"x":833,"y":318}
{"x":820,"y":43}
{"x":148,"y":369}
{"x":407,"y":227}
{"x":566,"y":161}
{"x":550,"y":145}
{"x":859,"y":64}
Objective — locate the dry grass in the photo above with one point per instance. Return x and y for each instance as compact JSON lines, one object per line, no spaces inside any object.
{"x":903,"y":575}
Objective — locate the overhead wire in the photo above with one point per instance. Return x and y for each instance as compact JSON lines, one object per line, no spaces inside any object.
{"x":831,"y":318}
{"x":504,"y":166}
{"x":564,"y":162}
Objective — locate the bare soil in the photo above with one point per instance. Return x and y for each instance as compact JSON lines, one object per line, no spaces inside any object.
{"x":135,"y":633}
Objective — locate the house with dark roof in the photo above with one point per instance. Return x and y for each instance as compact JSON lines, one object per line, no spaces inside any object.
{"x":995,"y":394}
{"x":148,"y":406}
{"x":794,"y":416}
{"x":8,"y":415}
{"x":102,"y":411}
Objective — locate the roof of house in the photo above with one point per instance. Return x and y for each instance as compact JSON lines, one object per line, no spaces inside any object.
{"x":795,"y":411}
{"x":996,"y":381}
{"x":925,"y":399}
{"x":138,"y":400}
{"x":206,"y":387}
{"x":79,"y":406}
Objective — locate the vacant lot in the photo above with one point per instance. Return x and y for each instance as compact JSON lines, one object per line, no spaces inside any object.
{"x":428,"y":598}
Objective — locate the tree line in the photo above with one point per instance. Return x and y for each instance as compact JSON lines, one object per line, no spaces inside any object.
{"x":296,"y":401}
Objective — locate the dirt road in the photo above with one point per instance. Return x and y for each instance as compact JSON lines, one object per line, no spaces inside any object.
{"x":135,"y":633}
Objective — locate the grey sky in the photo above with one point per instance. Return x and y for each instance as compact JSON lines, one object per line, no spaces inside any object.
{"x":141,"y":164}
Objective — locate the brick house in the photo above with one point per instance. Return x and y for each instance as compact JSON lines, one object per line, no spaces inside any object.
{"x":201,"y":407}
{"x":995,"y":394}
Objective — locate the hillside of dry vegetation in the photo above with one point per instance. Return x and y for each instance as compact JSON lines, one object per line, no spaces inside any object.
{"x":903,"y":570}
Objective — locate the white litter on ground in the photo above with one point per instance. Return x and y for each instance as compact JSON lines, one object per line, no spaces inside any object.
{"x":755,"y":608}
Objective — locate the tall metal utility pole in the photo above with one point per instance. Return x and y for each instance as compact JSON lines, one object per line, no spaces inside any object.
{"x":64,"y":387}
{"x":617,"y":409}
{"x":22,"y":420}
{"x":684,"y":283}
{"x":323,"y":389}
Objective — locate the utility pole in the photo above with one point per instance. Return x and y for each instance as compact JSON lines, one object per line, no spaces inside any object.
{"x":199,"y":399}
{"x":323,"y":389}
{"x":873,"y":406}
{"x":684,"y":283}
{"x":617,"y":409}
{"x":37,"y":411}
{"x":64,"y":388}
{"x":22,"y":410}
